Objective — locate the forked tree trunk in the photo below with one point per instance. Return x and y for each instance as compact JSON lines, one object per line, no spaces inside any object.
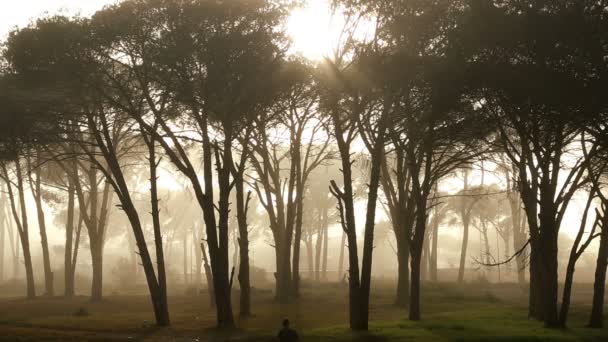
{"x":414,"y":312}
{"x":22,"y":225}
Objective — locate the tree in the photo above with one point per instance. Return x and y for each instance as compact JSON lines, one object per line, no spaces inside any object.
{"x":191,"y":65}
{"x":282,"y":194}
{"x":533,"y":92}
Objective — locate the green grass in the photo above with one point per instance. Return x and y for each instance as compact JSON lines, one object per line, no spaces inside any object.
{"x":450,"y":313}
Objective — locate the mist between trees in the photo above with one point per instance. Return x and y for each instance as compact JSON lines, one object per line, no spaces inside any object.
{"x":182,"y":141}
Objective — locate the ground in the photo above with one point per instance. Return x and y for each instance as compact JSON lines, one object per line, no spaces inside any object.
{"x":473,"y":312}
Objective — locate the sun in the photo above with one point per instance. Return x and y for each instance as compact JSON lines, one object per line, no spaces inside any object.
{"x":314,"y":29}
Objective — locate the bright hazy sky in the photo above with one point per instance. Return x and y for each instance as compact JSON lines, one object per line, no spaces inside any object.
{"x":21,"y":12}
{"x":313,"y":29}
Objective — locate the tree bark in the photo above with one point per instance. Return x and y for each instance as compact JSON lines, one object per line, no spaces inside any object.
{"x":402,"y":297}
{"x":36,"y":189}
{"x":340,"y":258}
{"x":465,"y":218}
{"x":69,"y":235}
{"x":242,"y":202}
{"x":22,"y":225}
{"x":159,"y":289}
{"x":599,"y":284}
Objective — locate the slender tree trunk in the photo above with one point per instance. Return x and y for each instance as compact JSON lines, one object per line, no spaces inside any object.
{"x":325,"y":242}
{"x":208,"y":276}
{"x":567,"y":291}
{"x":403,"y":274}
{"x":463,"y":251}
{"x":599,"y":284}
{"x":242,"y":203}
{"x":22,"y":225}
{"x":433,"y":258}
{"x":69,"y":235}
{"x":185,"y":248}
{"x":318,"y":249}
{"x":158,"y":291}
{"x":465,"y":217}
{"x":341,"y":258}
{"x":2,"y":238}
{"x":309,"y":256}
{"x":297,"y":241}
{"x":35,"y":186}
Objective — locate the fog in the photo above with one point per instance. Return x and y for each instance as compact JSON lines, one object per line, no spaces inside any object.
{"x":349,"y":166}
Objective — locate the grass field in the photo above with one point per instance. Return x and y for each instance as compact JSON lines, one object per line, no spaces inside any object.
{"x":450,"y":313}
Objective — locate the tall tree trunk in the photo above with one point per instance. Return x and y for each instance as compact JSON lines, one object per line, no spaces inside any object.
{"x":35,"y":186}
{"x":297,"y":241}
{"x":309,"y":256}
{"x":158,"y":291}
{"x":325,"y":242}
{"x":97,"y":268}
{"x":465,"y":218}
{"x":22,"y":225}
{"x":318,"y":249}
{"x":463,"y":250}
{"x":242,"y":203}
{"x":186,"y":249}
{"x":433,"y":258}
{"x":208,"y":276}
{"x":402,"y":297}
{"x":69,"y":235}
{"x":599,"y":284}
{"x":535,"y":304}
{"x":340,"y":258}
{"x":414,"y":312}
{"x":2,"y":236}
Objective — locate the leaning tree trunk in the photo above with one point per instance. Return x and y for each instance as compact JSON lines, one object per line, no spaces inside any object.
{"x":340,"y":258}
{"x":158,"y":289}
{"x":36,"y":188}
{"x":599,"y":284}
{"x":22,"y":226}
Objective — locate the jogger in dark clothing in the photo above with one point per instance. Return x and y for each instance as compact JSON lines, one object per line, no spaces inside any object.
{"x":286,"y":334}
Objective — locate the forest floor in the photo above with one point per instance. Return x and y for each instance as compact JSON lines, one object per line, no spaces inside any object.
{"x":474,"y":312}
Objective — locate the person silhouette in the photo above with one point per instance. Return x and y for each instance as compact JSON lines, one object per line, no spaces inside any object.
{"x":286,"y":334}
